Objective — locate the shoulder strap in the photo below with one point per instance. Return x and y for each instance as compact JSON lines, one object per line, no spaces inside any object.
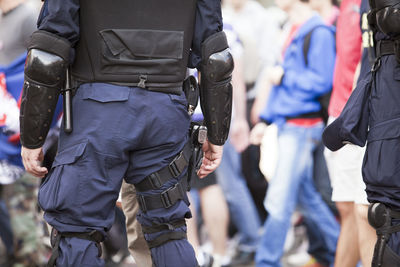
{"x":306,"y":45}
{"x":307,"y":42}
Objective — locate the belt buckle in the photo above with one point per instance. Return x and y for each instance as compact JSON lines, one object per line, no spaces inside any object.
{"x":155,"y":180}
{"x":174,"y":170}
{"x":165,"y":199}
{"x":142,"y":203}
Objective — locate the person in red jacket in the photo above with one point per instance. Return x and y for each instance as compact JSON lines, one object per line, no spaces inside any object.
{"x":357,"y":237}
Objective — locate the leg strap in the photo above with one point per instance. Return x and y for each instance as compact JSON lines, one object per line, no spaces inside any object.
{"x":171,"y":171}
{"x":167,"y":236}
{"x":56,"y":236}
{"x":165,"y":199}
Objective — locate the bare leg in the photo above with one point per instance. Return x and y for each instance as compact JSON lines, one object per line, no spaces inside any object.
{"x":216,"y":217}
{"x":367,"y":234}
{"x":347,"y":250}
{"x":192,"y":232}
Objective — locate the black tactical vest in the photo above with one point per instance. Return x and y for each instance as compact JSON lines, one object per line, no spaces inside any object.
{"x":143,"y":43}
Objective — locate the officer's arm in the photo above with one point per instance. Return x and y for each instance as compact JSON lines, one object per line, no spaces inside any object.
{"x":49,"y":54}
{"x":215,"y":87}
{"x":211,"y":56}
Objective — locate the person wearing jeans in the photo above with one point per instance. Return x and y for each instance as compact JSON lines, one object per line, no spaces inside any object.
{"x":241,"y":205}
{"x":292,"y":185}
{"x":294,"y":107}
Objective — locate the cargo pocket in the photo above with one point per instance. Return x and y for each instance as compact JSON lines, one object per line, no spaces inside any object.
{"x":110,"y":106}
{"x":382,"y":157}
{"x":105,"y":94}
{"x":133,"y":51}
{"x":62,"y":190}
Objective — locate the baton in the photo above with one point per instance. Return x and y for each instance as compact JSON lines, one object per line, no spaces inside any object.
{"x":67,"y":104}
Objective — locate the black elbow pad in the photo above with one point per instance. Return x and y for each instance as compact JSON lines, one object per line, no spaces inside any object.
{"x":388,"y":17}
{"x":216,"y":88}
{"x":44,"y":79}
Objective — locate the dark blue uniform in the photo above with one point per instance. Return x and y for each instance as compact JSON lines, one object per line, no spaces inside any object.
{"x":372,"y":116}
{"x":119,"y":132}
{"x":381,"y":164}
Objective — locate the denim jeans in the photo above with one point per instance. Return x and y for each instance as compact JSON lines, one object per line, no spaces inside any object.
{"x":293,"y":184}
{"x":241,"y":205}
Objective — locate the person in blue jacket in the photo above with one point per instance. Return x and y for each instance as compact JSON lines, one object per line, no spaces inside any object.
{"x":125,"y":64}
{"x":294,"y":106}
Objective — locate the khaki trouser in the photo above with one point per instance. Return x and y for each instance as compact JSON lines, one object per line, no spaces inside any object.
{"x":136,"y":242}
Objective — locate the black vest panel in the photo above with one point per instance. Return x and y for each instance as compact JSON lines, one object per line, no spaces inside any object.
{"x":143,"y":43}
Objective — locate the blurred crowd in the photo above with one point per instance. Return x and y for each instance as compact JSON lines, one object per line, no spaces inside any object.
{"x":279,"y":196}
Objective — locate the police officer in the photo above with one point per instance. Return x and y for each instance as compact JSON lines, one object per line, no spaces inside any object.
{"x":376,"y":105}
{"x":127,"y":61}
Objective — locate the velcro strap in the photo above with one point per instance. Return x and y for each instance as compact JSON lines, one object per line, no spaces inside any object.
{"x":166,"y":199}
{"x":164,"y":238}
{"x":56,"y":236}
{"x":388,"y":230}
{"x":155,"y":228}
{"x":171,"y":171}
{"x":394,"y":214}
{"x":384,"y":47}
{"x":94,"y":235}
{"x":51,"y":43}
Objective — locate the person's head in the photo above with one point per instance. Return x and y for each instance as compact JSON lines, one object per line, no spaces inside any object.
{"x":237,"y":4}
{"x":286,"y":5}
{"x":319,"y":4}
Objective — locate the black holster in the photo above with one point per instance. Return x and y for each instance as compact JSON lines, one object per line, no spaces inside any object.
{"x":380,"y":217}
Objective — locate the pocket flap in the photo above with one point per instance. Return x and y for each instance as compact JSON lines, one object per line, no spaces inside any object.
{"x":103,"y":93}
{"x":69,"y":155}
{"x":385,"y":130}
{"x":144,"y":43}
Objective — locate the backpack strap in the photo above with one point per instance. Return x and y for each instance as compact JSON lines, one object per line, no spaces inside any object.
{"x":307,"y":42}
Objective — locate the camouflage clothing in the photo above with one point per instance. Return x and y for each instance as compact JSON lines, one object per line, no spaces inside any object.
{"x":29,"y":228}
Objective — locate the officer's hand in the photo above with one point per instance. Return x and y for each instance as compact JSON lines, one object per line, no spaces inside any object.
{"x":211,"y":159}
{"x":32,"y":159}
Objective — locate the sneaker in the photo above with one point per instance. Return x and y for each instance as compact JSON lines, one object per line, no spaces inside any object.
{"x":313,"y":263}
{"x":243,"y":258}
{"x":221,"y":261}
{"x":204,"y":259}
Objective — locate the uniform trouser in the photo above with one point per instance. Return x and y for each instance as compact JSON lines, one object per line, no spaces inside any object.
{"x":118,"y":132}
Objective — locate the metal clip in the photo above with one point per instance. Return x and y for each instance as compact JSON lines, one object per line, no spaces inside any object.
{"x":143,"y":79}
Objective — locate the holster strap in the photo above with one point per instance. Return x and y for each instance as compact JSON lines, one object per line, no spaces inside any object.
{"x":155,"y":228}
{"x":165,"y":199}
{"x":164,"y":238}
{"x":56,"y":236}
{"x":384,"y":47}
{"x":171,"y":171}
